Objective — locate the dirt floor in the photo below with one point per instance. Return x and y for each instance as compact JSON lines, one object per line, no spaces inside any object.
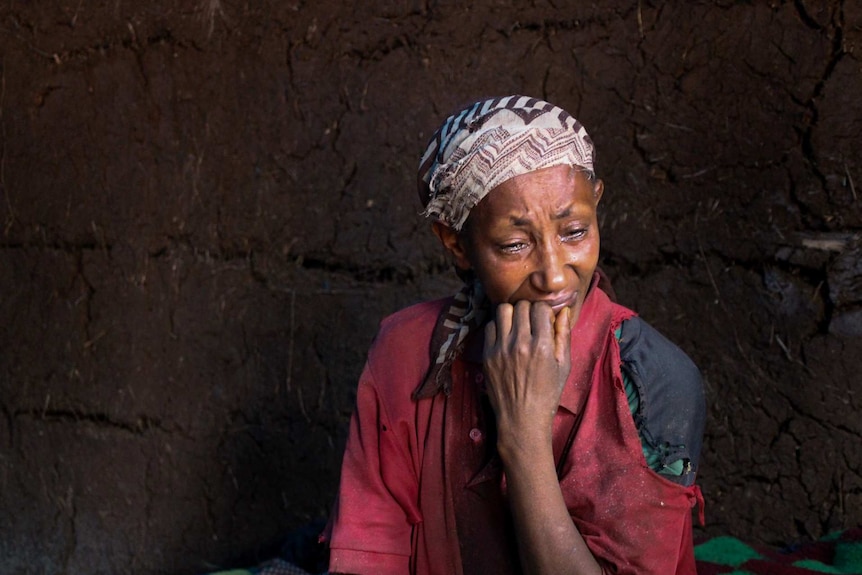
{"x":208,"y":205}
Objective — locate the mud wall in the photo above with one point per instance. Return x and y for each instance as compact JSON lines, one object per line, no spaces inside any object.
{"x":207,"y":207}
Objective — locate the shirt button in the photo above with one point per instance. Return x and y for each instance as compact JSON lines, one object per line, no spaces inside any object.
{"x":476,"y":435}
{"x":480,"y":377}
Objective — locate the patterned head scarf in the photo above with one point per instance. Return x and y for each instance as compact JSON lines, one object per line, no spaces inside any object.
{"x":473,"y":152}
{"x":492,"y":141}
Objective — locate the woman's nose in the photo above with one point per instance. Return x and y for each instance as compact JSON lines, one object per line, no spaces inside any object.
{"x":549,"y":274}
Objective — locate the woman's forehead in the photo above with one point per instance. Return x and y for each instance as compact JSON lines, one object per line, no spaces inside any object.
{"x":555,"y":193}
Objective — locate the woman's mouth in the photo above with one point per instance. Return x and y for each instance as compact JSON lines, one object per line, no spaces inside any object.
{"x":559,"y":303}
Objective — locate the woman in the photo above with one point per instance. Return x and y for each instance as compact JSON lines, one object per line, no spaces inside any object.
{"x":529,"y":424}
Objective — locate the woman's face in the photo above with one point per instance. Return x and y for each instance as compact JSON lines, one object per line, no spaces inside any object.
{"x":534,"y":237}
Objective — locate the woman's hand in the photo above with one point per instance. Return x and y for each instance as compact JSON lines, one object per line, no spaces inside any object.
{"x":527,"y":361}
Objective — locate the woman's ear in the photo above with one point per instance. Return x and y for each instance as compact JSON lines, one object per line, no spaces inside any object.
{"x":598,"y":190}
{"x":454,"y":244}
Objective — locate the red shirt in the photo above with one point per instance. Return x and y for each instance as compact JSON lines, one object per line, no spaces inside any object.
{"x":422,"y":489}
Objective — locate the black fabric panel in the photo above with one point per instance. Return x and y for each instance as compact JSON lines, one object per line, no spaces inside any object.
{"x":672,"y":409}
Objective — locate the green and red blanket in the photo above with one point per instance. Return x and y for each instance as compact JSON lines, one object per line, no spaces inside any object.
{"x":838,"y":553}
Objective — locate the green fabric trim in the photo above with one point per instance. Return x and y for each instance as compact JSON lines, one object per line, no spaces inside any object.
{"x":725,"y":551}
{"x":676,"y":468}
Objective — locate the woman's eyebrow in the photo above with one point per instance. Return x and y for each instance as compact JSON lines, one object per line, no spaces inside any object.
{"x":521,"y":221}
{"x":573,"y":210}
{"x":564,"y":213}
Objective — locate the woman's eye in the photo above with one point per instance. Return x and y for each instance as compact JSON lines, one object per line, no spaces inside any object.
{"x":575,"y":234}
{"x":513,"y":247}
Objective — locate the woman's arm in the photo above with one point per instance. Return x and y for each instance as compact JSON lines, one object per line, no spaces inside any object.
{"x":527,"y":362}
{"x":372,"y":519}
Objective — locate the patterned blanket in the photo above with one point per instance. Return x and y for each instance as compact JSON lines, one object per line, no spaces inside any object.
{"x":838,"y":553}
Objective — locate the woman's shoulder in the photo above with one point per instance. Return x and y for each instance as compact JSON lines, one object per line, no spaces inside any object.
{"x":654,"y":356}
{"x":412,"y":323}
{"x":401,"y":347}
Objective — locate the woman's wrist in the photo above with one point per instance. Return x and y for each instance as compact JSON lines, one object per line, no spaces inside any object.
{"x":524,"y":449}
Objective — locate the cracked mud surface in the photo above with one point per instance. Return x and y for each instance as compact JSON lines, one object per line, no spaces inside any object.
{"x":207,"y":208}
